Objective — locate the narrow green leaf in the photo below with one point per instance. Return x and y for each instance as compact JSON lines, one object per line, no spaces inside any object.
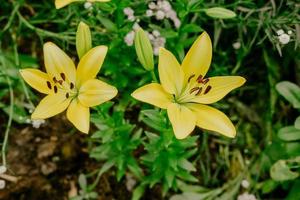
{"x":290,"y":91}
{"x":289,"y":133}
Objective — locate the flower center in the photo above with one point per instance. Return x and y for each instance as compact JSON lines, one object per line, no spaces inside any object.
{"x":64,"y":85}
{"x":200,"y":86}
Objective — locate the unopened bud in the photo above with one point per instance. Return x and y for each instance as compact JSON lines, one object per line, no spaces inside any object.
{"x":83,"y":39}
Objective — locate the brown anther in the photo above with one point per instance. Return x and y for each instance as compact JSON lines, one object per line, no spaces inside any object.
{"x":190,"y":78}
{"x":71,"y":85}
{"x":199,"y":79}
{"x":49,"y":85}
{"x":67,"y":95}
{"x":199,"y":91}
{"x":194,"y":89}
{"x":63,"y":76}
{"x":207,"y":89}
{"x":60,"y":82}
{"x":205,"y":81}
{"x":55,"y":80}
{"x":55,"y":89}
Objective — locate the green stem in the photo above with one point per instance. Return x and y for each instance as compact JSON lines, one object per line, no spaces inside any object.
{"x":154,"y":76}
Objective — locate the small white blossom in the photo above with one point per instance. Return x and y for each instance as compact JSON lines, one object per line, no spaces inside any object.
{"x":151,"y":37}
{"x":37,"y":123}
{"x":152,"y":5}
{"x":30,"y":111}
{"x":2,"y":169}
{"x":177,"y":23}
{"x":2,"y":184}
{"x":160,"y":15}
{"x":135,"y":26}
{"x":246,"y":196}
{"x":284,"y":38}
{"x":131,"y":18}
{"x":129,"y":38}
{"x":290,"y":32}
{"x":166,"y":6}
{"x":28,"y":121}
{"x":245,"y":183}
{"x":128,"y":11}
{"x":156,"y":33}
{"x":280,"y":32}
{"x":88,"y":5}
{"x":171,"y":14}
{"x":156,"y":51}
{"x":149,"y":13}
{"x":236,"y":45}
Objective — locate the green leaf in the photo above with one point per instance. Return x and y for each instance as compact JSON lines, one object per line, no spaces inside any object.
{"x":138,"y":192}
{"x":220,"y":13}
{"x":297,"y":123}
{"x":191,"y":28}
{"x":268,"y":186}
{"x":281,"y":171}
{"x":185,"y":164}
{"x":82,"y":181}
{"x":289,"y":133}
{"x":107,"y":23}
{"x":144,"y":49}
{"x":290,"y":91}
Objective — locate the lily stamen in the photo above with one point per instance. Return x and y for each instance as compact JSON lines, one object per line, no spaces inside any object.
{"x":194,"y":89}
{"x":63,"y":76}
{"x":55,"y":89}
{"x":190,"y":78}
{"x":49,"y":85}
{"x":207,"y":89}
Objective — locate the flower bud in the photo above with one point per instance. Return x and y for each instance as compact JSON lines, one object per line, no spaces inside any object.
{"x":144,"y":49}
{"x":83,"y":39}
{"x":220,"y":13}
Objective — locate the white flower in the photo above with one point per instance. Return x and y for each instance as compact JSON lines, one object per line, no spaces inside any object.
{"x":177,"y":23}
{"x":160,"y":15}
{"x":171,"y":14}
{"x":135,"y":26}
{"x":149,"y":13}
{"x":131,"y":18}
{"x":2,"y":184}
{"x":128,"y":11}
{"x":2,"y":169}
{"x":28,"y":121}
{"x":284,"y":38}
{"x":152,"y":5}
{"x":166,"y":6}
{"x":88,"y":5}
{"x":37,"y":123}
{"x":129,"y":38}
{"x":236,"y":45}
{"x":245,"y":183}
{"x":156,"y":33}
{"x":280,"y":32}
{"x":290,"y":32}
{"x":246,"y":196}
{"x":156,"y":51}
{"x":151,"y":37}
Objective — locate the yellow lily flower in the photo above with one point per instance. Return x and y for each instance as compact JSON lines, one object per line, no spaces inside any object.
{"x":69,"y":88}
{"x":62,"y":3}
{"x":184,"y":91}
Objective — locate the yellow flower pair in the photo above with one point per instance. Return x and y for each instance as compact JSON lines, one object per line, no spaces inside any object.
{"x":183,"y":91}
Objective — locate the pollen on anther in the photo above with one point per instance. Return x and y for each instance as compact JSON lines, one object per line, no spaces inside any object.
{"x":55,"y":89}
{"x":194,"y":89}
{"x":63,"y":76}
{"x":199,"y":91}
{"x":207,"y":89}
{"x":199,"y":79}
{"x":190,"y":78}
{"x":71,"y":85}
{"x":67,"y":95}
{"x":55,"y":80}
{"x":49,"y":85}
{"x":205,"y":81}
{"x":60,"y":82}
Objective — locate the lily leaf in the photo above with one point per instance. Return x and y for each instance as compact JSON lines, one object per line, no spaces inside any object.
{"x":290,"y":91}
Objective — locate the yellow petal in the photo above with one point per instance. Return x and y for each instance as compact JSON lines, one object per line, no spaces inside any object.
{"x":57,"y":63}
{"x":90,"y":64}
{"x":37,"y":80}
{"x":170,"y":73}
{"x":79,"y":115}
{"x":198,"y":58}
{"x":212,"y":119}
{"x":51,"y":105}
{"x":220,"y":86}
{"x":94,"y":92}
{"x":154,"y":94}
{"x":182,"y":119}
{"x":61,"y":3}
